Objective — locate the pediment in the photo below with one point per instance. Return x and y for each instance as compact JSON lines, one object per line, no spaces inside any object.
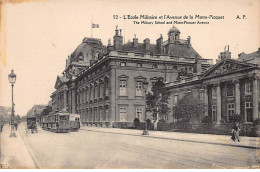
{"x":226,"y":66}
{"x":123,"y":76}
{"x":60,"y":81}
{"x":140,"y":78}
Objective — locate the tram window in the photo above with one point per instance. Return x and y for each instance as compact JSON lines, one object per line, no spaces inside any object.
{"x":64,"y":118}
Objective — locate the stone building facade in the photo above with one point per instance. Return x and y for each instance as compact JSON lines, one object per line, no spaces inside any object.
{"x":109,"y":89}
{"x":229,"y":87}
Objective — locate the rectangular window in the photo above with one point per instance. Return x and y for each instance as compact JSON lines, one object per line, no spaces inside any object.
{"x":214,"y":113}
{"x":139,"y":114}
{"x":230,"y":90}
{"x":248,"y":112}
{"x":123,"y":114}
{"x":122,"y":64}
{"x":188,"y":92}
{"x":175,"y":100}
{"x":214,"y":93}
{"x":248,"y":88}
{"x":201,"y":95}
{"x":122,"y":88}
{"x":155,"y":66}
{"x":138,"y":90}
{"x":139,"y":64}
{"x":230,"y":109}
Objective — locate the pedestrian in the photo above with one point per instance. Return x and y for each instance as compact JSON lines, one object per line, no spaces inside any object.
{"x":16,"y":126}
{"x":155,"y":125}
{"x":2,"y":126}
{"x":235,"y":132}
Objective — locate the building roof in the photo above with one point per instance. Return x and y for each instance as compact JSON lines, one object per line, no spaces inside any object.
{"x":223,"y":67}
{"x":182,"y":50}
{"x":174,"y":29}
{"x":129,"y":46}
{"x":226,"y":66}
{"x":244,"y":57}
{"x":86,"y":51}
{"x":178,"y":49}
{"x":63,"y":79}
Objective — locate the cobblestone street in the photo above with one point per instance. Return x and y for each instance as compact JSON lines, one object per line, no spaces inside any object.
{"x":93,"y":147}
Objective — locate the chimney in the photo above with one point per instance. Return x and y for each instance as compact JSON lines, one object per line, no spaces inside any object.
{"x":188,"y":40}
{"x":118,"y":40}
{"x":197,"y":66}
{"x":109,"y":42}
{"x":225,"y":54}
{"x":147,"y":44}
{"x":109,"y":46}
{"x":135,"y":41}
{"x":159,"y":43}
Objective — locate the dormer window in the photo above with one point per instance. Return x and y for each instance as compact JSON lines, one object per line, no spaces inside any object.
{"x":122,"y":64}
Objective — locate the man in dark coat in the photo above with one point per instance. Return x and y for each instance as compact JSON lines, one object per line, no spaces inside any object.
{"x":16,"y":126}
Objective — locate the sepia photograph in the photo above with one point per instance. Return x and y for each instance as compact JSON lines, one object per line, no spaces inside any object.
{"x":110,"y":84}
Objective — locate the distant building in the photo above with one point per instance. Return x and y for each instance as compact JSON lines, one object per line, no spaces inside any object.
{"x":36,"y":111}
{"x":4,"y":113}
{"x":229,"y":87}
{"x":104,"y":84}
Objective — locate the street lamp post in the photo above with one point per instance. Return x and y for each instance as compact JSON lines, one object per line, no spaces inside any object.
{"x":12,"y":79}
{"x":145,"y":85}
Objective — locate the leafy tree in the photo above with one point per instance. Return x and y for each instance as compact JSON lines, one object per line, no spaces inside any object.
{"x":236,"y":118}
{"x":157,"y":100}
{"x":189,"y":107}
{"x":17,"y":117}
{"x":46,"y":111}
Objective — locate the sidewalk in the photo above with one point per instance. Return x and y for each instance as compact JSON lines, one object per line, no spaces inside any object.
{"x":14,"y":153}
{"x":246,"y":142}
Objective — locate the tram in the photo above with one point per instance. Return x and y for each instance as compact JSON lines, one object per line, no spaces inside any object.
{"x":61,"y":122}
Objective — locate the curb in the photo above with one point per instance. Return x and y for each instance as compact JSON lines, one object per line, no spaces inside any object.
{"x":35,"y":162}
{"x":183,"y":140}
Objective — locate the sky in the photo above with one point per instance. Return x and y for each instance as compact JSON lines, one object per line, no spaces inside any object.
{"x":40,"y":35}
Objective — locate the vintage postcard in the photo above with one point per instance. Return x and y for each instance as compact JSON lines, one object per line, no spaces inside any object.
{"x":110,"y":84}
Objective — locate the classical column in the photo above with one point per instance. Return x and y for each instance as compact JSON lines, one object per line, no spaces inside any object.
{"x":86,"y":95}
{"x":65,"y":99}
{"x":237,"y":92}
{"x":73,"y":101}
{"x":255,"y":98}
{"x":83,"y":96}
{"x":101,"y":90}
{"x":206,"y":99}
{"x":73,"y":98}
{"x":218,"y":103}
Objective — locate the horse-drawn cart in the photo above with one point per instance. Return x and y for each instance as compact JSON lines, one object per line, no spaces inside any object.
{"x":31,"y":125}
